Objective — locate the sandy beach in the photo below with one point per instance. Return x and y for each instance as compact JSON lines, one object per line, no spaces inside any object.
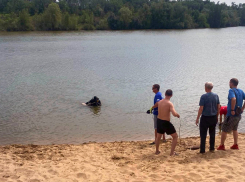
{"x":122,"y":161}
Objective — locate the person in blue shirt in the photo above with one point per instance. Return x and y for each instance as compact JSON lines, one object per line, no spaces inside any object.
{"x":235,"y":99}
{"x":157,"y":98}
{"x":209,"y":109}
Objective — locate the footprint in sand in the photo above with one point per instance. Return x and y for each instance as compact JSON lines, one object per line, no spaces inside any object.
{"x":81,"y":175}
{"x":221,"y":180}
{"x":34,"y":180}
{"x":226,"y":167}
{"x":195,"y":176}
{"x":179,"y":177}
{"x":229,"y":177}
{"x":53,"y":172}
{"x":155,"y":176}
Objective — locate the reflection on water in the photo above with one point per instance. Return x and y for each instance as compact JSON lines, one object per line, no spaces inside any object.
{"x":45,"y":76}
{"x":95,"y":109}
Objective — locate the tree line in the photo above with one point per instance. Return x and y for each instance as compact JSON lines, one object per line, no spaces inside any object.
{"x":28,"y":15}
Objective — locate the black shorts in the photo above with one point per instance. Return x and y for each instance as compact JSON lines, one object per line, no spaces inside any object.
{"x":164,"y":126}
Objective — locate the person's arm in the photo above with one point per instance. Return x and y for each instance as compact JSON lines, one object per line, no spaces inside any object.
{"x":233,"y":104}
{"x":243,"y":106}
{"x":157,"y":98}
{"x":232,"y":97}
{"x":155,"y":106}
{"x":172,"y":110}
{"x":218,"y":109}
{"x":199,"y":114}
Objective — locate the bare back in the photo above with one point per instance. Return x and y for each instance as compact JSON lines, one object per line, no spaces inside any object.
{"x":165,"y":107}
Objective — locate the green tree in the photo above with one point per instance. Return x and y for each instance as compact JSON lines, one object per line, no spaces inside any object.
{"x":87,"y":20}
{"x":103,"y":24}
{"x":113,"y":21}
{"x":243,"y":15}
{"x":10,"y":22}
{"x":69,"y":22}
{"x":179,"y":17}
{"x":15,"y":6}
{"x":125,"y":17}
{"x":52,"y":17}
{"x":41,"y":5}
{"x":38,"y":22}
{"x":215,"y":16}
{"x":65,"y":21}
{"x":202,"y":21}
{"x":24,"y":22}
{"x":159,"y":16}
{"x":144,"y":17}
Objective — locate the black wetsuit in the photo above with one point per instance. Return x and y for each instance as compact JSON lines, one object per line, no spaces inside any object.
{"x":94,"y":102}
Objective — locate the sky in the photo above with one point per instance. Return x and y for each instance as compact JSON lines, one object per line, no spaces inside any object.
{"x":228,"y":2}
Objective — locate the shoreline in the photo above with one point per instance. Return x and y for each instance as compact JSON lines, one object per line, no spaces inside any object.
{"x":122,"y":161}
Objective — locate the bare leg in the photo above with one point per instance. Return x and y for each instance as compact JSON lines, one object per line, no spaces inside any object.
{"x":223,"y":137}
{"x":163,"y":137}
{"x":158,"y":142}
{"x":174,"y":143}
{"x":235,"y":136}
{"x":155,"y":135}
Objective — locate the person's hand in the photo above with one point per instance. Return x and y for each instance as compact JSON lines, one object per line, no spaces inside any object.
{"x":151,"y":110}
{"x":178,"y":116}
{"x":233,"y":113}
{"x":197,"y":122}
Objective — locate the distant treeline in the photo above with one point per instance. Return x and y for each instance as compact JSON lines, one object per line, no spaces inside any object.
{"x":27,"y":15}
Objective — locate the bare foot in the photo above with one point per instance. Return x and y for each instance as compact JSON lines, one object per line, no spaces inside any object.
{"x":174,"y":154}
{"x":157,"y":152}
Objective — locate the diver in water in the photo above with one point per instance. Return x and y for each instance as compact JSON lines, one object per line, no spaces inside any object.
{"x":94,"y":102}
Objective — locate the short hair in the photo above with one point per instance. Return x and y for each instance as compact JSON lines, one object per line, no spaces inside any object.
{"x":156,"y":86}
{"x":209,"y":85}
{"x":169,"y":92}
{"x":234,"y":81}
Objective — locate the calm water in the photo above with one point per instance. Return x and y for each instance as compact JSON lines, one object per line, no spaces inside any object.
{"x":44,"y":78}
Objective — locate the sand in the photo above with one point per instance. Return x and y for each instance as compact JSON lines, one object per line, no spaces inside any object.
{"x":122,"y":161}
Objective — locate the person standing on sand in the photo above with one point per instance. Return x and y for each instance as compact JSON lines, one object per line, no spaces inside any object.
{"x":222,"y":111}
{"x":235,"y":100}
{"x":165,"y":107}
{"x":209,"y":109}
{"x":157,"y":98}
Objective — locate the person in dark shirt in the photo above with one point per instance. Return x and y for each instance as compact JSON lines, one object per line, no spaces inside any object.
{"x":209,"y":109}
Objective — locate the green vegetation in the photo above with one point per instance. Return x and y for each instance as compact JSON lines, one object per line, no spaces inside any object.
{"x":28,"y":15}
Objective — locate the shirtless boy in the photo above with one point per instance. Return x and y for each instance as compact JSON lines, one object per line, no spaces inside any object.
{"x":163,"y":121}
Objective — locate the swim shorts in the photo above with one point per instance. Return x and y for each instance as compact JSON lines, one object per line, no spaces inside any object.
{"x":230,"y":123}
{"x":165,"y":126}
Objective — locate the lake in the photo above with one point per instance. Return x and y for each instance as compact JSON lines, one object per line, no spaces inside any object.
{"x":45,"y":76}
